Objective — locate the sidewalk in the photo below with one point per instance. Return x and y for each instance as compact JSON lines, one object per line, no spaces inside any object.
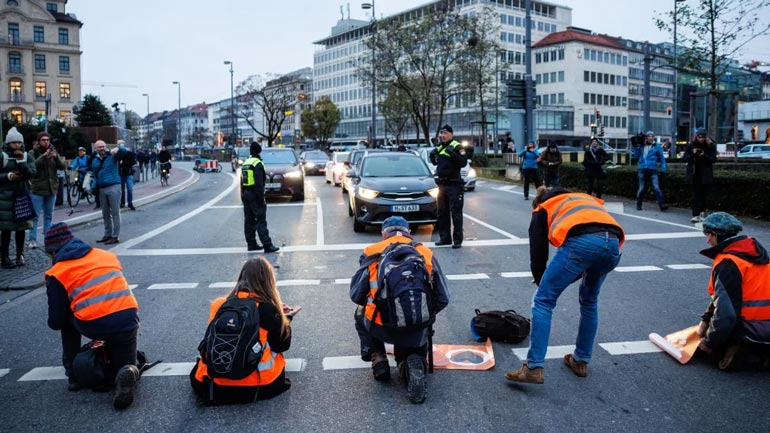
{"x":31,"y":276}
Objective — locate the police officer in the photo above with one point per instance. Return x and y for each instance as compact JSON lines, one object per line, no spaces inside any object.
{"x":253,"y":198}
{"x":449,"y":158}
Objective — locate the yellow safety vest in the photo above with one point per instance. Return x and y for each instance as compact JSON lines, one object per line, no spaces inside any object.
{"x":247,"y":172}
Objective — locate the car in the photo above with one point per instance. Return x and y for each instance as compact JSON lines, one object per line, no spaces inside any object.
{"x":392,"y":183}
{"x":336,"y":168}
{"x":467,"y":173}
{"x":347,"y":146}
{"x":355,"y":159}
{"x":284,"y":173}
{"x":240,"y":154}
{"x":314,"y":161}
{"x":754,"y":151}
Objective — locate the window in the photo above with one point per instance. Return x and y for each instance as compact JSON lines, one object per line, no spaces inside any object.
{"x":40,"y":89}
{"x":39,"y":113}
{"x":606,"y":78}
{"x":502,"y":36}
{"x":586,"y":53}
{"x":546,"y":79}
{"x":13,"y":33}
{"x":12,"y":3}
{"x":553,"y":99}
{"x":561,"y":98}
{"x":606,"y":57}
{"x":39,"y":62}
{"x":519,"y":39}
{"x":606,"y":100}
{"x":64,"y":90}
{"x":510,"y":20}
{"x":14,"y":63}
{"x":64,"y":37}
{"x":561,"y":50}
{"x":537,"y":79}
{"x":586,"y":76}
{"x":14,"y":88}
{"x":585,"y":120}
{"x":64,"y":64}
{"x":561,"y":76}
{"x":593,"y":77}
{"x":39,"y":34}
{"x":585,"y":98}
{"x":593,"y":98}
{"x":51,"y":7}
{"x":17,"y":114}
{"x":612,"y":79}
{"x":553,"y":77}
{"x":537,"y":58}
{"x":553,"y":56}
{"x":519,"y":22}
{"x":502,"y":18}
{"x":593,"y":55}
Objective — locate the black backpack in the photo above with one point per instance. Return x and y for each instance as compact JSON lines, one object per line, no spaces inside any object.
{"x":503,"y":326}
{"x":405,"y":296}
{"x":231,"y":348}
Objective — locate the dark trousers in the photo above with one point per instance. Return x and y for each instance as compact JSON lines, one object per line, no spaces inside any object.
{"x":551,"y":179}
{"x":530,"y":175}
{"x":255,"y":218}
{"x":450,"y":203}
{"x":594,"y":183}
{"x":120,"y":346}
{"x":5,"y":242}
{"x":699,"y":193}
{"x":370,"y":344}
{"x":238,"y":394}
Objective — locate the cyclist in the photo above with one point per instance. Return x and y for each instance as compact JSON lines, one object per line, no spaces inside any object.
{"x":80,"y":163}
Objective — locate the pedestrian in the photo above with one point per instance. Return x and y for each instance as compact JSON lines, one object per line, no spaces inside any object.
{"x":550,"y":160}
{"x":45,"y":184}
{"x":89,"y":295}
{"x":401,"y":148}
{"x":594,"y":159}
{"x":529,"y":157}
{"x":153,"y":163}
{"x":700,"y":156}
{"x":510,"y":145}
{"x":105,"y":167}
{"x":94,"y":184}
{"x":265,"y":377}
{"x":650,"y":156}
{"x":449,"y":158}
{"x":142,"y":159}
{"x":736,"y":325}
{"x":17,"y":167}
{"x":126,"y":171}
{"x":410,"y":343}
{"x":254,"y":206}
{"x":587,"y":241}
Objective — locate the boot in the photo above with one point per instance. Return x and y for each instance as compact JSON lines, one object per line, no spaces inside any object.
{"x":125,"y":381}
{"x":20,"y":260}
{"x":415,"y":371}
{"x":380,"y":367}
{"x":526,"y":375}
{"x":8,"y":263}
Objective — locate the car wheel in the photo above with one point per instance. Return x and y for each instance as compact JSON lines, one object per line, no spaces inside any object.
{"x":328,"y":181}
{"x":471,"y":189}
{"x":357,"y":226}
{"x":344,"y":191}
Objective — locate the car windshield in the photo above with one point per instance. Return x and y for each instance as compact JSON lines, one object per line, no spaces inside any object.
{"x":399,"y":165}
{"x":342,"y":156}
{"x":274,"y":156}
{"x":242,"y":152}
{"x":316,"y":155}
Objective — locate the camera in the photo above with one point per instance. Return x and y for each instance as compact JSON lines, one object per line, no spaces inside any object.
{"x":638,"y":139}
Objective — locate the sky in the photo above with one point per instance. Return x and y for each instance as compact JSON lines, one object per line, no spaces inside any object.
{"x":142,"y":46}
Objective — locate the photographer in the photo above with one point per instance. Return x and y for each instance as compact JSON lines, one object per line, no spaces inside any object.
{"x":45,"y":184}
{"x":700,"y":156}
{"x":650,"y":155}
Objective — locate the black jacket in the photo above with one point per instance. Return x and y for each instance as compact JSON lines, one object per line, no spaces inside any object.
{"x":593,"y":161}
{"x":700,"y":161}
{"x":448,"y":167}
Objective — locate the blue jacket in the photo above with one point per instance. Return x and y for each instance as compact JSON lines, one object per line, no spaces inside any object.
{"x":529,"y":159}
{"x":654,"y":157}
{"x":108,"y":174}
{"x":80,"y":163}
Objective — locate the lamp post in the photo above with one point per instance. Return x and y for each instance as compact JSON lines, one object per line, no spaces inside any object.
{"x":125,"y":115}
{"x":232,"y":104}
{"x":179,"y":114}
{"x":675,"y":108}
{"x":374,"y":81}
{"x":147,"y":122}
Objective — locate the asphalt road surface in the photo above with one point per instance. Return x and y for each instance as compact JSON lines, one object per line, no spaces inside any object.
{"x":181,"y":252}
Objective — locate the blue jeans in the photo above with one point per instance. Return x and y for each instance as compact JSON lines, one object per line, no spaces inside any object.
{"x":652,"y":175}
{"x":591,"y":256}
{"x":43,"y":206}
{"x":127,"y":190}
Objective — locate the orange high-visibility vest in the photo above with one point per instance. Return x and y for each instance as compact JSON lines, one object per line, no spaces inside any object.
{"x":755,"y":287}
{"x":566,"y":211}
{"x":370,"y":310}
{"x":270,"y":366}
{"x":95,"y":285}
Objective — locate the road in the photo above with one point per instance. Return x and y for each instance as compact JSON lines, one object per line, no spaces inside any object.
{"x":184,"y":250}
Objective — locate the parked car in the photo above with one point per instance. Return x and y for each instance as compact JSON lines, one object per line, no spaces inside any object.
{"x":284,"y":173}
{"x":314,"y":161}
{"x":392,"y":183}
{"x":468,"y":173}
{"x":336,"y":168}
{"x":754,"y":151}
{"x":355,"y":159}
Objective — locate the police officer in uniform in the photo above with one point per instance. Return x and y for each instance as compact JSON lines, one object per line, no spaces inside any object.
{"x":449,"y":158}
{"x":253,"y":198}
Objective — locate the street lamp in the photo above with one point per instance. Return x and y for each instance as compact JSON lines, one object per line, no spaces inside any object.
{"x":675,"y":108}
{"x":232,"y":105}
{"x":125,"y":115}
{"x":147,"y":122}
{"x":179,"y":114}
{"x":366,"y":6}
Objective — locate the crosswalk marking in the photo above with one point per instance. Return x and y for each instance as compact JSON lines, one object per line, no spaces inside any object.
{"x":467,"y":277}
{"x":342,"y":281}
{"x":44,"y":373}
{"x":516,"y":274}
{"x":173,"y":286}
{"x":690,"y":266}
{"x":554,"y":352}
{"x":223,"y":285}
{"x":637,"y":268}
{"x":284,"y":283}
{"x":630,"y":347}
{"x":4,"y":371}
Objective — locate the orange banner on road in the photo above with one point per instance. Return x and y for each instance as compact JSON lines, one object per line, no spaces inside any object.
{"x":681,"y":345}
{"x":463,"y":357}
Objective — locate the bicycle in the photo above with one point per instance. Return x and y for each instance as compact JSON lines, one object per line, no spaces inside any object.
{"x":164,"y":167}
{"x":75,"y":190}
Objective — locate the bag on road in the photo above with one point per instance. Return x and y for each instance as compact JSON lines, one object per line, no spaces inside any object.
{"x":503,"y":326}
{"x":405,"y":296}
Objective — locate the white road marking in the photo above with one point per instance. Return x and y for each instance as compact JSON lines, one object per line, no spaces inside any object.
{"x":661,"y":221}
{"x":348,"y":362}
{"x":615,"y":207}
{"x":285,"y":283}
{"x":240,"y":206}
{"x":526,"y":274}
{"x":491,"y":227}
{"x":507,"y":188}
{"x":132,"y":286}
{"x":223,"y":285}
{"x":554,"y":352}
{"x":467,"y":277}
{"x":342,"y":281}
{"x":4,"y":371}
{"x":44,"y":373}
{"x":170,"y":369}
{"x":637,"y":268}
{"x":296,"y":364}
{"x":166,"y":286}
{"x":655,"y":236}
{"x":692,"y":266}
{"x":630,"y":347}
{"x":319,"y":224}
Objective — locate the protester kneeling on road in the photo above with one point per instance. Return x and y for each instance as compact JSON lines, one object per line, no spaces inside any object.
{"x":736,"y":325}
{"x":588,"y":243}
{"x":383,"y":265}
{"x":88,"y":295}
{"x":241,"y":355}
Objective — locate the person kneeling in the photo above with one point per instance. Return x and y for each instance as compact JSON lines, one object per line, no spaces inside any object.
{"x":241,"y":356}
{"x":379,"y":320}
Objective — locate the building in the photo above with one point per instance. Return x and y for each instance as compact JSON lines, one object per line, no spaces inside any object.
{"x":298,"y":86}
{"x":40,"y":47}
{"x":195,"y":125}
{"x":221,"y":123}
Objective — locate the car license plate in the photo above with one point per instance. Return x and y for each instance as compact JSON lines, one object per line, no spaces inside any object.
{"x":405,"y":208}
{"x":273,"y":185}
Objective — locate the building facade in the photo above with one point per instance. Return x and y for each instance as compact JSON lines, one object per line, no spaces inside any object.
{"x":299,"y":87}
{"x":40,"y":58}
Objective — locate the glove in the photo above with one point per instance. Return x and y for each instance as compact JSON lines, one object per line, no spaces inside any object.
{"x":434,"y":157}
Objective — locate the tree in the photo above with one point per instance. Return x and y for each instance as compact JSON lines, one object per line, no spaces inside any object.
{"x":396,"y":110}
{"x":320,"y":121}
{"x":272,"y":95}
{"x":199,"y":136}
{"x":93,"y":113}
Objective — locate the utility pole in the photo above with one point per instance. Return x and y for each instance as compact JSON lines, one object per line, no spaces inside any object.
{"x":232,"y":106}
{"x":647,"y":59}
{"x":529,"y":90}
{"x":374,"y":72}
{"x":147,"y":122}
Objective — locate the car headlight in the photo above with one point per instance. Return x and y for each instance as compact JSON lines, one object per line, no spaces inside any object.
{"x":309,"y":164}
{"x":368,"y":193}
{"x":471,"y":173}
{"x":433,"y":192}
{"x":293,"y":174}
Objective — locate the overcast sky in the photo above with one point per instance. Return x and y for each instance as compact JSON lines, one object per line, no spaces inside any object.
{"x":142,"y":46}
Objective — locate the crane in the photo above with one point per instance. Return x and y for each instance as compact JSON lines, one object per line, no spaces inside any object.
{"x":104,"y":84}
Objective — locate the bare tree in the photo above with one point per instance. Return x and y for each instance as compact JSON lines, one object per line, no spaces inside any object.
{"x":198,"y":136}
{"x":396,"y":110}
{"x":320,"y":121}
{"x":272,"y":95}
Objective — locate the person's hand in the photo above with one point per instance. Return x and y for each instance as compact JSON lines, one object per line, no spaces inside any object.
{"x":14,"y":176}
{"x":290,"y":311}
{"x":114,"y":151}
{"x":704,"y":347}
{"x":703,"y":328}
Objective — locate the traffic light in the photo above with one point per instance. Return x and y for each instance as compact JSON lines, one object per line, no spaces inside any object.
{"x":593,"y":129}
{"x":601,"y":131}
{"x":301,"y":96}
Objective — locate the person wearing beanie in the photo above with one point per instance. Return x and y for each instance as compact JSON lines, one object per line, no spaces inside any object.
{"x":650,"y":155}
{"x":594,"y":159}
{"x":736,"y":325}
{"x":89,"y":296}
{"x":550,"y":160}
{"x":105,"y":167}
{"x":45,"y":184}
{"x":449,"y":158}
{"x":700,"y":156}
{"x":529,"y":158}
{"x":411,"y":343}
{"x":253,"y":198}
{"x":17,"y":167}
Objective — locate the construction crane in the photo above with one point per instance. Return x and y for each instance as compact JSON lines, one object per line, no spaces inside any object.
{"x":104,"y":84}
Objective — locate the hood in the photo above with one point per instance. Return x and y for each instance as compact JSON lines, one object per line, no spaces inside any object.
{"x":74,"y":249}
{"x":743,"y":247}
{"x":271,"y":169}
{"x":398,"y":184}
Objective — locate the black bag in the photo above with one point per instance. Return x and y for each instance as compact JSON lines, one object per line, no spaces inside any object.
{"x":231,"y":348}
{"x":405,"y":296}
{"x":90,"y":366}
{"x":23,"y":209}
{"x":503,"y":326}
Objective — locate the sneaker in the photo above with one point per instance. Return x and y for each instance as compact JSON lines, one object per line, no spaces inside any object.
{"x":526,"y":375}
{"x":441,"y":243}
{"x":33,"y":244}
{"x":415,"y":370}
{"x":111,"y":241}
{"x":125,"y":381}
{"x":104,"y":239}
{"x":663,"y":207}
{"x":695,"y":219}
{"x":578,"y":367}
{"x":271,"y":249}
{"x":380,"y":367}
{"x":457,"y":245}
{"x":131,"y":207}
{"x":20,"y":260}
{"x":255,"y":247}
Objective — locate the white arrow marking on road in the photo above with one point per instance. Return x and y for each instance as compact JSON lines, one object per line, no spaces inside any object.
{"x":491,"y":227}
{"x":348,"y":362}
{"x":467,"y":277}
{"x":173,"y":286}
{"x":342,"y":281}
{"x":319,"y":228}
{"x":516,"y":274}
{"x":4,"y":371}
{"x":554,"y":352}
{"x":637,"y":268}
{"x":630,"y":347}
{"x":693,"y":266}
{"x":285,"y":283}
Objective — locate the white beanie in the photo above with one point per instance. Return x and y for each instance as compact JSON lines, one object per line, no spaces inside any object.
{"x":14,"y":136}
